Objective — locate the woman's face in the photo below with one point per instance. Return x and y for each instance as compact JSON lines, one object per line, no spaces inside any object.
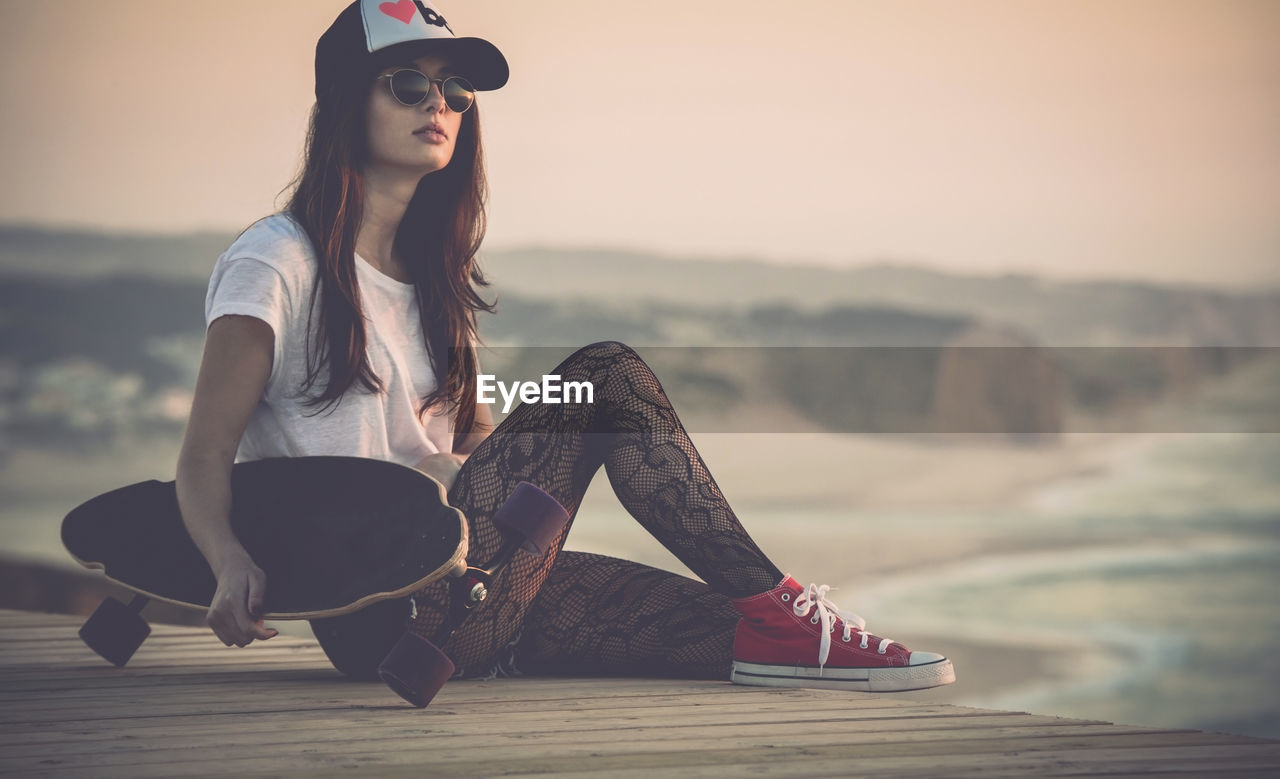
{"x":396,"y":133}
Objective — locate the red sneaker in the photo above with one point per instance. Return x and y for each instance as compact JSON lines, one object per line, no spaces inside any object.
{"x":792,"y":637}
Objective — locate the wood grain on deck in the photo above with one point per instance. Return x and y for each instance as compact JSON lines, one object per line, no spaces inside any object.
{"x":186,"y":705}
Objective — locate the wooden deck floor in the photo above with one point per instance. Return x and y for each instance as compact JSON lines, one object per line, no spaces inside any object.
{"x":186,"y":705}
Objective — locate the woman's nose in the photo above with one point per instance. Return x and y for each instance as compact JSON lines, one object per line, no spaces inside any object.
{"x":435,"y":97}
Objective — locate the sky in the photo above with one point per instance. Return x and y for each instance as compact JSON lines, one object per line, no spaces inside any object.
{"x":1135,"y":139}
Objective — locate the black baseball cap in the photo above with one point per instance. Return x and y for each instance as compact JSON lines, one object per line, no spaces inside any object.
{"x":369,"y":31}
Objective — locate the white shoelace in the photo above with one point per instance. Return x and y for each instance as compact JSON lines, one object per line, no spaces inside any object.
{"x":825,"y":611}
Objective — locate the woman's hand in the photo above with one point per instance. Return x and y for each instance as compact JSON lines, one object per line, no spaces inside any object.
{"x":442,"y":466}
{"x":238,"y":602}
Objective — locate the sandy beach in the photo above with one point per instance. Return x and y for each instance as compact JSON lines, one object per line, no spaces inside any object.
{"x":773,"y":481}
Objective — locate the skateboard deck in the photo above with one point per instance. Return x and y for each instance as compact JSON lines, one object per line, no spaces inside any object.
{"x":332,"y":534}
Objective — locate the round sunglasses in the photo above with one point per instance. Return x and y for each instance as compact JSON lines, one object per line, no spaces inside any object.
{"x":410,"y":87}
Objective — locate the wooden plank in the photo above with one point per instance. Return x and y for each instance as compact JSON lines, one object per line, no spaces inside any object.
{"x":544,"y":689}
{"x":531,"y":686}
{"x":280,"y":708}
{"x":71,"y":633}
{"x":319,"y":728}
{"x":81,"y":676}
{"x":18,"y":618}
{"x":518,"y":692}
{"x":15,"y":620}
{"x":106,"y":678}
{"x":377,"y":696}
{"x":572,"y":739}
{"x":1195,"y":761}
{"x":527,"y":687}
{"x":199,"y":688}
{"x":70,"y":624}
{"x":194,"y":650}
{"x":195,"y":638}
{"x":227,"y":658}
{"x":17,"y":615}
{"x":72,"y":643}
{"x":200,"y":748}
{"x":144,"y":656}
{"x":97,"y":666}
{"x":90,"y":679}
{"x":94,"y":665}
{"x":488,"y":706}
{"x":511,"y":715}
{"x":644,"y":737}
{"x":1039,"y":756}
{"x":321,"y":720}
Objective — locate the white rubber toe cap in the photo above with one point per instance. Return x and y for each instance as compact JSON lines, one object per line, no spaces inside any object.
{"x":924,"y":658}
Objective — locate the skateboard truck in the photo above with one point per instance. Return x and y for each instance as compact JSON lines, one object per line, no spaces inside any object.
{"x":416,"y":668}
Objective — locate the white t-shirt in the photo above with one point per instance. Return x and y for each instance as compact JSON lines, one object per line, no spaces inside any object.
{"x":268,"y":273}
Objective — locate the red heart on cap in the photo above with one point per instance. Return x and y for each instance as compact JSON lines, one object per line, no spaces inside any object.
{"x":403,"y":10}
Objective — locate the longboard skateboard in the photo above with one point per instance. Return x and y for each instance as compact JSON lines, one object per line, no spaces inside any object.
{"x":333,"y":535}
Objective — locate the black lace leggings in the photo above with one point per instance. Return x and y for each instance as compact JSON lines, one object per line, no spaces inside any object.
{"x":571,"y":612}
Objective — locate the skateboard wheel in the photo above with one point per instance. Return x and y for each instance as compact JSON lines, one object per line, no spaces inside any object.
{"x":115,"y":631}
{"x":532,"y":513}
{"x":416,"y":669}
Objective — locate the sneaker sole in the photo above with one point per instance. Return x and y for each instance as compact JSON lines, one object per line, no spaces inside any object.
{"x":894,"y":679}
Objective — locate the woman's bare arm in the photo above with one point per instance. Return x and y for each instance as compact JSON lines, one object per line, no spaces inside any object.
{"x":233,"y":372}
{"x":237,"y":359}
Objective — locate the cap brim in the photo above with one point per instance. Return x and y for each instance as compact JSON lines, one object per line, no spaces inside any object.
{"x":475,"y":59}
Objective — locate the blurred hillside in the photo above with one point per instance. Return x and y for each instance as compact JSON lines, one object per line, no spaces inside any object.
{"x":102,"y":334}
{"x":789,"y":302}
{"x":1102,"y":313}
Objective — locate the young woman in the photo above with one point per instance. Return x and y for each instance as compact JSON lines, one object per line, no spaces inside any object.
{"x":346,"y":325}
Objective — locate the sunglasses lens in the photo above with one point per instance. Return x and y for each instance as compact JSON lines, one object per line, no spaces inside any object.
{"x":409,"y":87}
{"x":458,"y":94}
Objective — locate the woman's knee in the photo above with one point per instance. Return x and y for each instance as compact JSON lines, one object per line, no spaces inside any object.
{"x":605,"y":351}
{"x":597,"y":361}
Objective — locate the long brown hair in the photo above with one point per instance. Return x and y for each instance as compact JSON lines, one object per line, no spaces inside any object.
{"x":439,"y":236}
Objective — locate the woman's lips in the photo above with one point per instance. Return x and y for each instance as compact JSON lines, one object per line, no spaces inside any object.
{"x":431,"y":136}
